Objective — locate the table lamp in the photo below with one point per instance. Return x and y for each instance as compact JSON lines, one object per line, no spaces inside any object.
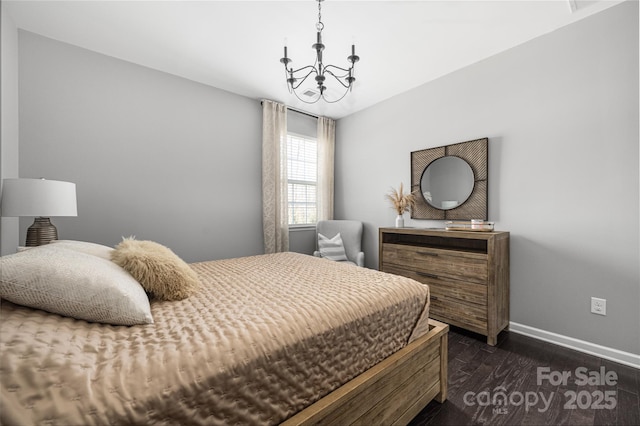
{"x":40,"y":198}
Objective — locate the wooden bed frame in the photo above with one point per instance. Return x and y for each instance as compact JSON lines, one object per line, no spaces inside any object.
{"x":393,"y":391}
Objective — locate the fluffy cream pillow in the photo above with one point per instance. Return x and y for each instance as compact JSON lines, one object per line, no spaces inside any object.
{"x":74,"y":284}
{"x":159,"y":270}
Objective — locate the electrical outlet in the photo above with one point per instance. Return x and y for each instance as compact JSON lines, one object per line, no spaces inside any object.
{"x":598,"y":306}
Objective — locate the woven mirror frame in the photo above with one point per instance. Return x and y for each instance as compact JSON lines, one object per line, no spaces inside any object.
{"x":476,"y":154}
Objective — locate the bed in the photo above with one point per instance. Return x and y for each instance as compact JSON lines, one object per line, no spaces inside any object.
{"x":269,"y":339}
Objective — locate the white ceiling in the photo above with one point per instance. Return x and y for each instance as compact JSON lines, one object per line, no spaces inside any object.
{"x":236,"y":45}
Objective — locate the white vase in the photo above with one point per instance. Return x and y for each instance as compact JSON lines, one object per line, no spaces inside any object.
{"x":400,"y":221}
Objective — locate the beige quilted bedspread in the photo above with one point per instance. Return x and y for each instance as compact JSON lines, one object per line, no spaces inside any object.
{"x":266,"y":336}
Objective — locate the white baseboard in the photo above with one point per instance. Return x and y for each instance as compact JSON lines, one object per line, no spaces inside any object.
{"x":626,"y":358}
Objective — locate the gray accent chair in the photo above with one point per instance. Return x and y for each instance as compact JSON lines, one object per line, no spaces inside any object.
{"x":351,"y":234}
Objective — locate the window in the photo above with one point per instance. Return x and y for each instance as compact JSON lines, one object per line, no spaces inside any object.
{"x":302,"y":171}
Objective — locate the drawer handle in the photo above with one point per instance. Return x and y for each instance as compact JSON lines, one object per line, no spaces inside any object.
{"x":428,"y":254}
{"x":424,"y":274}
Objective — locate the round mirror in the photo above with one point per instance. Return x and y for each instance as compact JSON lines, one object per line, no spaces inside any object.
{"x":447,"y":182}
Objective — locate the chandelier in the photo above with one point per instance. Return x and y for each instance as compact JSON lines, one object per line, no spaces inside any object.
{"x":344,"y":76}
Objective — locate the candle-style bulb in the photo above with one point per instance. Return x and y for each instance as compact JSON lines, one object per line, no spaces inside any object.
{"x":353,"y":58}
{"x":285,"y":60}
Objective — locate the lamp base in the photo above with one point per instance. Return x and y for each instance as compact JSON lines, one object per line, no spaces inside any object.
{"x":41,"y":232}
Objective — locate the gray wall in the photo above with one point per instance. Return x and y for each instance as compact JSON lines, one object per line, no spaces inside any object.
{"x":8,"y":122}
{"x":561,"y":115}
{"x":179,"y":162}
{"x":152,"y":155}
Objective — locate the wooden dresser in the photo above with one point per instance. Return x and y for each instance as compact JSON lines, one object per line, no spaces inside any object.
{"x":467,"y":273}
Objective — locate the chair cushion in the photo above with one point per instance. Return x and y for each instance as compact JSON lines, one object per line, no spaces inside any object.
{"x":332,"y":248}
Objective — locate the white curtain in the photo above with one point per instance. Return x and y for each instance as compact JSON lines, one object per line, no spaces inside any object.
{"x":326,"y":147}
{"x":275,"y":221}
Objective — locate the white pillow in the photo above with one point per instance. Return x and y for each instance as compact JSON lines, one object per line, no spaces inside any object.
{"x":85,"y":247}
{"x":73,"y":284}
{"x":332,"y":249}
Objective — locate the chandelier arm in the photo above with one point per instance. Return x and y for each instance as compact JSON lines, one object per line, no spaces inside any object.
{"x":304,"y":68}
{"x":337,"y":75}
{"x":346,"y":74}
{"x":338,"y":80}
{"x":337,"y":100}
{"x":294,"y":87}
{"x":286,"y":77}
{"x":339,"y":68}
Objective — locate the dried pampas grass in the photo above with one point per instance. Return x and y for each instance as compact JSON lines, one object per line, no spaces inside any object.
{"x":401,"y":202}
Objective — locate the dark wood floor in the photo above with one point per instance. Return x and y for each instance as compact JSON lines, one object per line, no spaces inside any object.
{"x":481,"y":377}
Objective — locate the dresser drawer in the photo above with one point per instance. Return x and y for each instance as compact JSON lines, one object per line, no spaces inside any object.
{"x":453,"y":301}
{"x":467,"y":316}
{"x":468,"y":266}
{"x":445,"y":288}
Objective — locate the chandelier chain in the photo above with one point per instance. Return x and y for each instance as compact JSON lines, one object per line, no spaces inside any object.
{"x":320,"y":25}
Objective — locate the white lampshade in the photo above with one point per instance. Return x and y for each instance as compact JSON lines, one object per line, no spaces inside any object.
{"x":38,"y":198}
